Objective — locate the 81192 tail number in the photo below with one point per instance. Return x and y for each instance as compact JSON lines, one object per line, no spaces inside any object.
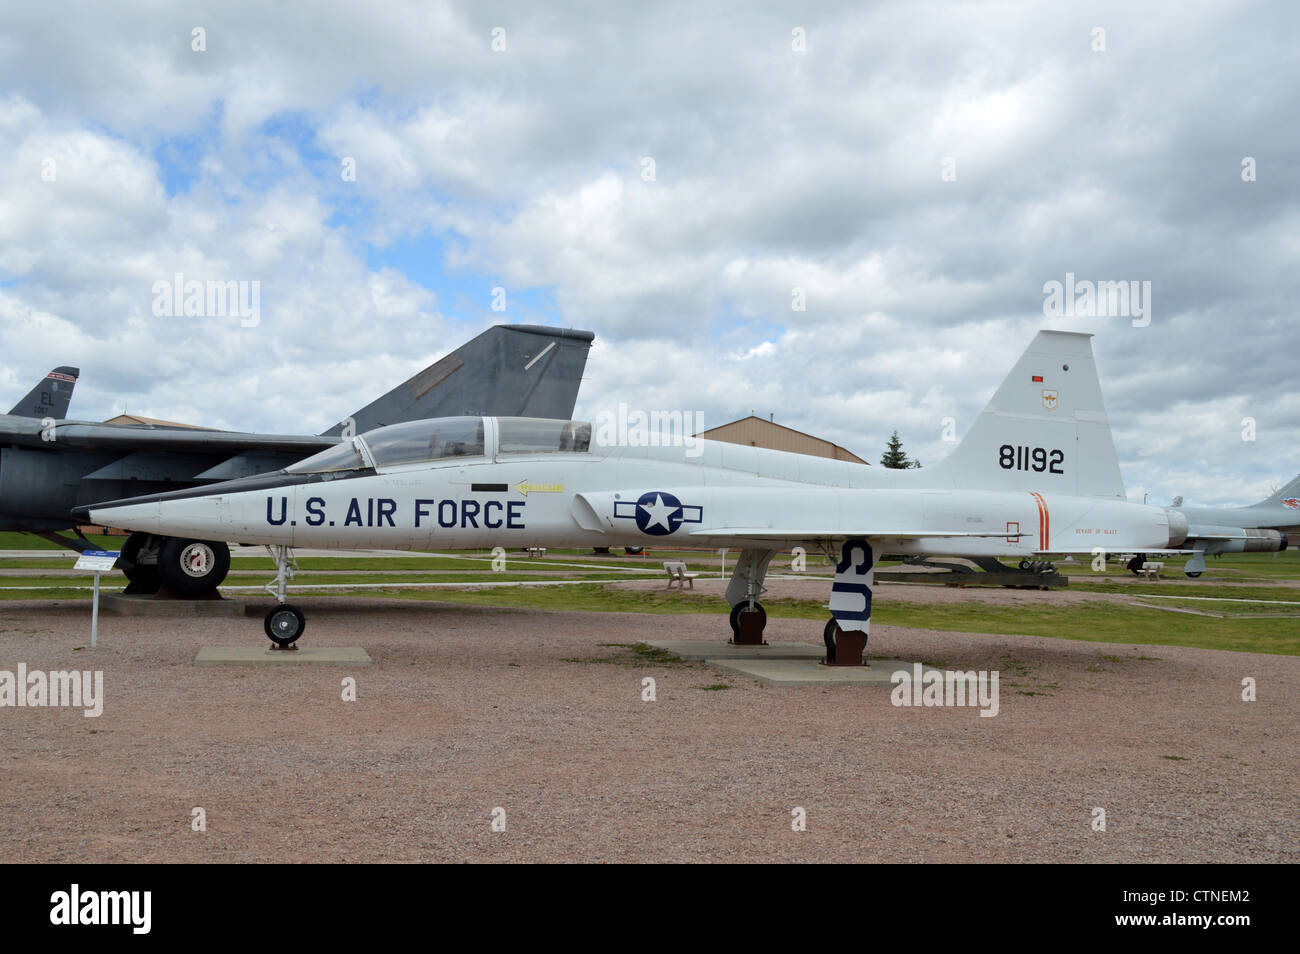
{"x":1037,"y":459}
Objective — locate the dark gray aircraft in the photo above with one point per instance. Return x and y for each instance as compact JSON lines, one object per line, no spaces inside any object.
{"x":48,"y":466}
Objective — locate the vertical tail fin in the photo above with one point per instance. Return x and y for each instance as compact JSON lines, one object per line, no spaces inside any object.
{"x":507,"y":371}
{"x":1044,"y":430}
{"x":1289,"y":492}
{"x":51,"y":397}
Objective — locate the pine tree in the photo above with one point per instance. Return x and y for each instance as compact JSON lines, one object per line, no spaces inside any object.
{"x":895,"y":458}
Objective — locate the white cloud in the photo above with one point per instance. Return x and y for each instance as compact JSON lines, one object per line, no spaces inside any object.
{"x":774,"y":170}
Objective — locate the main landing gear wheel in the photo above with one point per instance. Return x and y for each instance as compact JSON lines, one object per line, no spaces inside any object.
{"x":190,"y":567}
{"x":1193,"y":573}
{"x":284,"y":624}
{"x":140,"y":577}
{"x":747,"y":624}
{"x":828,"y":637}
{"x":1135,"y":564}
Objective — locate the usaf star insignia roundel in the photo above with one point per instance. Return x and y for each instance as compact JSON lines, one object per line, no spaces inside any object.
{"x":658,"y":513}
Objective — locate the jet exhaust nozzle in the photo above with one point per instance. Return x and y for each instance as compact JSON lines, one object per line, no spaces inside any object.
{"x":1240,"y":539}
{"x":1178,"y":527}
{"x":1263,"y":541}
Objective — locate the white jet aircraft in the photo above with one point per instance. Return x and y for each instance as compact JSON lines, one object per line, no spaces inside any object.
{"x":1036,"y":475}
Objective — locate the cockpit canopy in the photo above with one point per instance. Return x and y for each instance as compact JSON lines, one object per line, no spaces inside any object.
{"x":417,"y":441}
{"x":441,"y":438}
{"x":541,"y":435}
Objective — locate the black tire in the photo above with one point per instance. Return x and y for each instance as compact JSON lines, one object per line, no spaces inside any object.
{"x":600,"y":551}
{"x":190,"y":567}
{"x":828,"y":636}
{"x":744,"y":607}
{"x":142,"y":579}
{"x":1193,"y":573}
{"x":284,"y":624}
{"x":1135,"y":564}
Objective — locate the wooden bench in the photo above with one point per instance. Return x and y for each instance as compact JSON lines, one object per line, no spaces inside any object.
{"x":1150,"y":571}
{"x":534,"y":552}
{"x":678,"y":574}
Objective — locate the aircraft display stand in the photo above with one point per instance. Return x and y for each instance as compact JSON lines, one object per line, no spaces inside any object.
{"x":806,"y":672}
{"x":845,"y":647}
{"x":707,"y":650}
{"x":166,"y":603}
{"x":261,"y":656}
{"x":747,"y":625}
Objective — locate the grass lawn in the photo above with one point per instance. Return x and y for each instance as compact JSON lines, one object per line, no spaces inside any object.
{"x":1246,"y":627}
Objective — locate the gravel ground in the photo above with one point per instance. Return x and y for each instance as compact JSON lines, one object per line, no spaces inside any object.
{"x":468,"y":708}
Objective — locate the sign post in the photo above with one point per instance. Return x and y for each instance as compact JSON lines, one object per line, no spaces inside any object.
{"x":98,"y":561}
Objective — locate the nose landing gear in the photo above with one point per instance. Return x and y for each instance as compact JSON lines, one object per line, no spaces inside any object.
{"x":284,"y":624}
{"x":748,"y":618}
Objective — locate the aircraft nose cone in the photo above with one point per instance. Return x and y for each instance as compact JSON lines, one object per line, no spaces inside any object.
{"x":142,"y":516}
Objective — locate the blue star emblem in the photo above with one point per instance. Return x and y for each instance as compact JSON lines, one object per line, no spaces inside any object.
{"x":658,"y":513}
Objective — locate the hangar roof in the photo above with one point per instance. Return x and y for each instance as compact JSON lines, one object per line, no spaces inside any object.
{"x":755,"y":432}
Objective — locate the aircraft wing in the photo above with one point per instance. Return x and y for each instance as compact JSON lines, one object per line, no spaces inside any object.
{"x":1085,"y":551}
{"x":47,"y":471}
{"x":772,"y":533}
{"x":716,"y":512}
{"x":124,"y":438}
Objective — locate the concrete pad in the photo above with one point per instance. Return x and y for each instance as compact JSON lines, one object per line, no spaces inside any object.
{"x":695,"y":649}
{"x":263,"y":656}
{"x":123,"y":605}
{"x":805,"y":672}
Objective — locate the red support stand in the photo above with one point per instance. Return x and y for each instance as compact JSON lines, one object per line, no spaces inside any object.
{"x":749,"y":631}
{"x":850,"y":646}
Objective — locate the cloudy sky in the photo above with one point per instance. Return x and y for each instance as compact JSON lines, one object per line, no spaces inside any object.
{"x":666,"y":175}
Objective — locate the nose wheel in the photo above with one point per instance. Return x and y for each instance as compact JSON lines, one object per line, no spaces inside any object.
{"x":284,"y":624}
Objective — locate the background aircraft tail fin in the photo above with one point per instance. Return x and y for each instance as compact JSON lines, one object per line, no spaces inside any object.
{"x":1291,"y":490}
{"x":1045,"y":429}
{"x":508,"y":370}
{"x":51,"y":397}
